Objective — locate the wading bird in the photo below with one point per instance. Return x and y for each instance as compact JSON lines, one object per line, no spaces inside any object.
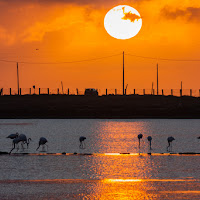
{"x":13,"y":136}
{"x":42,"y":142}
{"x":82,"y":144}
{"x":149,"y":138}
{"x":21,"y":138}
{"x":24,"y":140}
{"x":170,"y":139}
{"x":15,"y":142}
{"x":139,"y":138}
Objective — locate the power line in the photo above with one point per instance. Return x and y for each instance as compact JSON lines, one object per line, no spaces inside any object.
{"x":98,"y":58}
{"x":54,"y":63}
{"x":167,"y":59}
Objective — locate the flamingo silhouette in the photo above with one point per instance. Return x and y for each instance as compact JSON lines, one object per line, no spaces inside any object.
{"x":15,"y":142}
{"x":149,"y":138}
{"x":170,"y":139}
{"x":139,"y":138}
{"x":24,"y":140}
{"x":13,"y":136}
{"x":21,"y":138}
{"x":42,"y":142}
{"x":81,"y":139}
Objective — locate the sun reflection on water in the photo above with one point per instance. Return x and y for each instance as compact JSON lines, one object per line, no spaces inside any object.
{"x":119,"y":136}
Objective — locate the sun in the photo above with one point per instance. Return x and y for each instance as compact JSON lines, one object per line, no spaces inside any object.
{"x":123,"y":22}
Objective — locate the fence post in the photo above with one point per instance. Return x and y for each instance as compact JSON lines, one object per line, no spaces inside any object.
{"x":10,"y":91}
{"x":143,"y":91}
{"x":58,"y":90}
{"x":77,"y":91}
{"x":172,"y":92}
{"x":134,"y":91}
{"x":180,"y":92}
{"x":106,"y":92}
{"x":162,"y":92}
{"x":190,"y":92}
{"x":115,"y":91}
{"x":48,"y":91}
{"x":68,"y":91}
{"x":39,"y":91}
{"x":30,"y":90}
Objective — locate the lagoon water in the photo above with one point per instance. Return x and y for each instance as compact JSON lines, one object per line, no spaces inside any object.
{"x":106,"y":174}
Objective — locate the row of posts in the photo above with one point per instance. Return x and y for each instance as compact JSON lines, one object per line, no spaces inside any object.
{"x":77,"y":92}
{"x":153,"y":92}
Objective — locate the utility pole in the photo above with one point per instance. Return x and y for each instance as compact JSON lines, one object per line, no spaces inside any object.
{"x":152,"y":89}
{"x":157,"y":79}
{"x":62,"y":87}
{"x":181,"y":93}
{"x":18,"y":78}
{"x":123,"y":72}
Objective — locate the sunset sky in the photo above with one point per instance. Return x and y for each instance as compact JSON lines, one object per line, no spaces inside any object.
{"x":73,"y":30}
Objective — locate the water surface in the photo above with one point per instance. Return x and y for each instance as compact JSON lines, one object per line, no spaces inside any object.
{"x":106,"y":174}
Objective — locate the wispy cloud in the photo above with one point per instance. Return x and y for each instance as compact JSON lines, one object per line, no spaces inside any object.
{"x":130,"y":16}
{"x":189,"y":13}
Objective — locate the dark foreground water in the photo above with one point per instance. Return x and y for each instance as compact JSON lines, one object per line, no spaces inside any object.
{"x":105,"y":174}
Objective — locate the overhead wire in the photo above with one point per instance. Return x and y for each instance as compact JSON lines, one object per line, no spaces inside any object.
{"x":64,"y":62}
{"x":166,"y":59}
{"x":99,"y":58}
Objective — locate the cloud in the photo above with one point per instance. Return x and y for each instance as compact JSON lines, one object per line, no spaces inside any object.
{"x":130,"y":16}
{"x":190,"y":13}
{"x":50,"y":2}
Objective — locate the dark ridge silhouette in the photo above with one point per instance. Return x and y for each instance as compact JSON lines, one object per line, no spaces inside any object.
{"x":107,"y":107}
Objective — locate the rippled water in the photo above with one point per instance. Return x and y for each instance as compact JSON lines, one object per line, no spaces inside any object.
{"x":105,"y":174}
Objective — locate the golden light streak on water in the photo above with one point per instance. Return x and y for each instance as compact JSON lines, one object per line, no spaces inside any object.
{"x":122,"y":180}
{"x":150,"y":180}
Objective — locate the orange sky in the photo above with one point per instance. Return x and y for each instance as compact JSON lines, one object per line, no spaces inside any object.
{"x":70,"y":30}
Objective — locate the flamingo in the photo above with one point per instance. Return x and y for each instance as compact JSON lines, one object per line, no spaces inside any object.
{"x":139,"y":138}
{"x":170,"y":139}
{"x":13,"y":136}
{"x":81,"y":139}
{"x":21,"y":138}
{"x":15,"y":142}
{"x":149,"y":138}
{"x":24,"y":140}
{"x":42,"y":142}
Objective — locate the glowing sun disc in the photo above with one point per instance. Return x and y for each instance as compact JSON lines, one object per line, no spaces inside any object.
{"x":123,"y":22}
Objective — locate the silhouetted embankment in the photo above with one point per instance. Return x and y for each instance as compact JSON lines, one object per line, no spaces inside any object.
{"x":133,"y":106}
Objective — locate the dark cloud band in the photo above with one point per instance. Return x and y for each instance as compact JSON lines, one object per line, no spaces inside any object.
{"x":190,"y":13}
